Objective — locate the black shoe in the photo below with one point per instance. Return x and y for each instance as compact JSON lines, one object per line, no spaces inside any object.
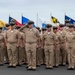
{"x":6,"y":63}
{"x":72,"y":68}
{"x":63,"y":64}
{"x":29,"y":68}
{"x":1,"y":64}
{"x":9,"y":66}
{"x":13,"y":66}
{"x":60,"y":64}
{"x":69,"y":68}
{"x":34,"y":69}
{"x":19,"y":65}
{"x":26,"y":66}
{"x":55,"y":66}
{"x":38,"y":65}
{"x":49,"y":67}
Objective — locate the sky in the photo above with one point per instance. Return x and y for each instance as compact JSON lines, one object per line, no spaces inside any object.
{"x":30,"y":9}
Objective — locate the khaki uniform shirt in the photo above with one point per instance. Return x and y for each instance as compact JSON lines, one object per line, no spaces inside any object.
{"x":12,"y":36}
{"x":1,"y":40}
{"x":1,"y":37}
{"x":49,"y":38}
{"x":57,"y":35}
{"x":70,"y":37}
{"x":31,"y":35}
{"x":21,"y":38}
{"x":62,"y":36}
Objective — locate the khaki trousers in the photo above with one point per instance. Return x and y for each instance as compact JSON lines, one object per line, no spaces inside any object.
{"x":56,"y":55}
{"x":20,"y":55}
{"x":49,"y":55}
{"x":6,"y":55}
{"x":12,"y":54}
{"x":31,"y":54}
{"x":63,"y":54}
{"x":38,"y":56}
{"x":71,"y":55}
{"x":1,"y":53}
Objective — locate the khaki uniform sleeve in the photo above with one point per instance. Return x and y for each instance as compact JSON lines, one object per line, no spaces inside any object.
{"x":54,"y":36}
{"x":43,"y":37}
{"x":37,"y":33}
{"x":5,"y":35}
{"x":18,"y":35}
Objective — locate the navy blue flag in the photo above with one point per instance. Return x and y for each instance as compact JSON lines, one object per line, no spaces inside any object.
{"x":71,"y":21}
{"x":43,"y":25}
{"x":24,"y":20}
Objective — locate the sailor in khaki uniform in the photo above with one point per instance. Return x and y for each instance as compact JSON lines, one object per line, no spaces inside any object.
{"x":38,"y":52}
{"x":5,"y":49}
{"x":70,"y":39}
{"x":12,"y":41}
{"x":63,"y":52}
{"x":43,"y":56}
{"x":21,"y":51}
{"x":49,"y":43}
{"x":24,"y":29}
{"x":31,"y":37}
{"x":57,"y":48}
{"x":2,"y":44}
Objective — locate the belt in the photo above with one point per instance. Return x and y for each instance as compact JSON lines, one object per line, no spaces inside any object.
{"x":30,"y":42}
{"x":62,"y":42}
{"x":49,"y":44}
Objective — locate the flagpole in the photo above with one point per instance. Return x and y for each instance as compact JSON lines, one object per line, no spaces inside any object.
{"x":21,"y":15}
{"x":9,"y":17}
{"x":37,"y":20}
{"x":65,"y":13}
{"x":21,"y":18}
{"x":64,"y":17}
{"x":50,"y":16}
